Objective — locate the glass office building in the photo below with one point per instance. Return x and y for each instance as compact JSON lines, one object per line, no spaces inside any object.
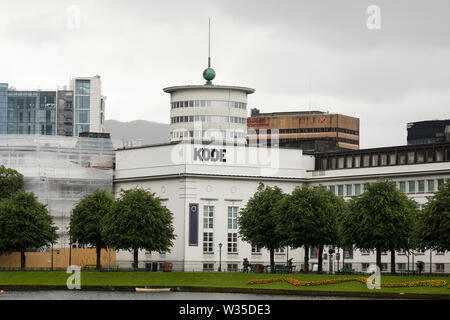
{"x":65,"y":112}
{"x":3,"y":108}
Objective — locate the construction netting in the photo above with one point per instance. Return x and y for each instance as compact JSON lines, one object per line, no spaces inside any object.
{"x":60,"y":171}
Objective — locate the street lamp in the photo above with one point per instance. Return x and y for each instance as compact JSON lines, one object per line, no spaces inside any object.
{"x":220,"y":257}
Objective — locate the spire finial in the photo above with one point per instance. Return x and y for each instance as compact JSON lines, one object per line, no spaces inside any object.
{"x":209,"y":73}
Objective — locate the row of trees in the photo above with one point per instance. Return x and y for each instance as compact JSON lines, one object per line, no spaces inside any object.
{"x":136,"y":220}
{"x":381,"y":219}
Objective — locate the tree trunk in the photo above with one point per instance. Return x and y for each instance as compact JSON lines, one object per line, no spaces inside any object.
{"x":99,"y":250}
{"x":22,"y":260}
{"x":272,"y":260}
{"x":306,"y":261}
{"x":320,"y":261}
{"x":392,"y":261}
{"x":136,"y":259}
{"x":378,"y":258}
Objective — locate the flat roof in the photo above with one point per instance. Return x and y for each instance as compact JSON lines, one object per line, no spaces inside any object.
{"x":212,"y":86}
{"x":288,"y":113}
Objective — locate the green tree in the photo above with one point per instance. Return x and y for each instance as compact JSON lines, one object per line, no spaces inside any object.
{"x":380,"y":219}
{"x":25,"y":223}
{"x":434,"y":220}
{"x":85,"y":225}
{"x":11,"y":181}
{"x":258,"y":220}
{"x":138,"y":220}
{"x":309,"y":217}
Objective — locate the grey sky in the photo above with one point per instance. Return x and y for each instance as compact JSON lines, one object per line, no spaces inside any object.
{"x":298,"y":55}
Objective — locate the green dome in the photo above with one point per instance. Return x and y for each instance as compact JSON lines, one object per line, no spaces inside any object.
{"x":209,"y":74}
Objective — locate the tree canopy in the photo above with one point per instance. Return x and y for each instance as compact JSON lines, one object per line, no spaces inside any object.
{"x":25,"y":223}
{"x":309,"y":217}
{"x":138,"y":220}
{"x":11,"y":181}
{"x":259,"y":218}
{"x":434,"y":220}
{"x":380,"y":219}
{"x":85,"y":225}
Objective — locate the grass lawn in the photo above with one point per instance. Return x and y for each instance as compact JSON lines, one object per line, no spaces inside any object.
{"x":210,"y":279}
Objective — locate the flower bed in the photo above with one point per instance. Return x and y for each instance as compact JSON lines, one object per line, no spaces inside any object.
{"x":295,"y":282}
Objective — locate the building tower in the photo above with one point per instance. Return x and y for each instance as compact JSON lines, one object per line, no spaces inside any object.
{"x":208,"y":112}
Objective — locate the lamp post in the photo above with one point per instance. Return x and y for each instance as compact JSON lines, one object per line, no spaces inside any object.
{"x":220,"y":257}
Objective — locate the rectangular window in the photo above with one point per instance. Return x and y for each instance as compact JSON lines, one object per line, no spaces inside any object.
{"x":280,"y":251}
{"x":440,"y":155}
{"x":349,"y":190}
{"x":82,"y":102}
{"x":208,"y":267}
{"x":357,"y":161}
{"x":82,"y":116}
{"x":402,"y":186}
{"x":383,"y":159}
{"x":392,"y":159}
{"x":364,"y":266}
{"x":366,"y":160}
{"x":208,"y":242}
{"x":411,"y":157}
{"x":440,"y":181}
{"x":349,"y":162}
{"x":232,"y":242}
{"x":333,"y":189}
{"x":340,"y":162}
{"x":374,"y":160}
{"x":365,"y":186}
{"x":401,"y":266}
{"x":232,"y":267}
{"x":313,"y":252}
{"x":384,"y":267}
{"x":232,"y":217}
{"x":348,"y":266}
{"x":357,"y":189}
{"x":340,"y":190}
{"x":430,"y":185}
{"x":421,"y":185}
{"x":411,"y":186}
{"x":256,"y":250}
{"x":208,"y":217}
{"x":402,"y":158}
{"x":83,"y":87}
{"x":420,"y":156}
{"x":348,"y":253}
{"x":440,"y":267}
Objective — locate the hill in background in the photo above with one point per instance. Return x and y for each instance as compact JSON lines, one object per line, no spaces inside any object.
{"x":131,"y":132}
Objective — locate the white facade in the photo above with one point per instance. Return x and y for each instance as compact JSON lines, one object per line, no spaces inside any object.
{"x":183,"y":174}
{"x":208,"y":111}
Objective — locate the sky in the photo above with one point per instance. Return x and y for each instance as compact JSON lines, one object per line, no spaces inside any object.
{"x":387,"y":67}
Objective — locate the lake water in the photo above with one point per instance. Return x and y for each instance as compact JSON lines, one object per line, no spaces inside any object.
{"x":121,"y":295}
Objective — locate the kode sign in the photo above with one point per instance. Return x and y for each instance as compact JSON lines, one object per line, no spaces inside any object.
{"x":210,"y":154}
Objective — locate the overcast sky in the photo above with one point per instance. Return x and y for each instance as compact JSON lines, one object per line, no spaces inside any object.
{"x":298,"y":55}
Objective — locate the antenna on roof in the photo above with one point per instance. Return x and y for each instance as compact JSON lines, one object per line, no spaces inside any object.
{"x":209,"y":74}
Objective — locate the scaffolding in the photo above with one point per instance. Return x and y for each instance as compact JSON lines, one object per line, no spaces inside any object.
{"x":60,"y":171}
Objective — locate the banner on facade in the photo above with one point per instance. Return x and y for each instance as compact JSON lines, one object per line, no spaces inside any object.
{"x":193,"y":224}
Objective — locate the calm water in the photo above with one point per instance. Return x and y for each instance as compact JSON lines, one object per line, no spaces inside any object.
{"x":108,"y":295}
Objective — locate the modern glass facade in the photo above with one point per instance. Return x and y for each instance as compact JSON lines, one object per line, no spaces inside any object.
{"x":67,"y":111}
{"x":3,"y":108}
{"x":31,"y":112}
{"x":82,"y":106}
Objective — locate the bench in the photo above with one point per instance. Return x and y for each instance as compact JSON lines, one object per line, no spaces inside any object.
{"x":346,"y":270}
{"x":283,"y":269}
